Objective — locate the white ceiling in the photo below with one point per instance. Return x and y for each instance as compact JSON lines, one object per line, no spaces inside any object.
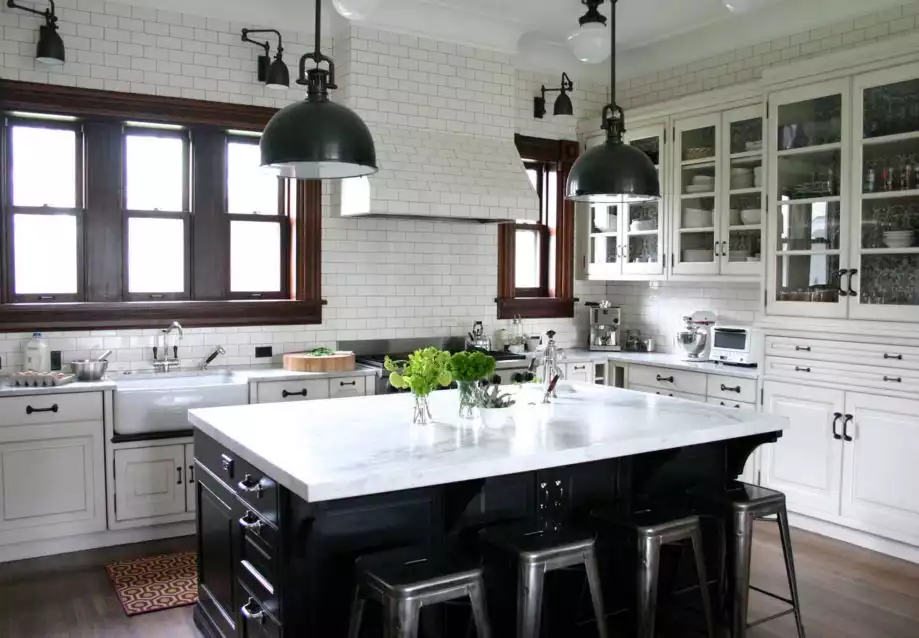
{"x":651,"y":34}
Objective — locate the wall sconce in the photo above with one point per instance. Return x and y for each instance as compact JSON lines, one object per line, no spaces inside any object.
{"x":273,"y":73}
{"x":50,"y":48}
{"x":562,"y":102}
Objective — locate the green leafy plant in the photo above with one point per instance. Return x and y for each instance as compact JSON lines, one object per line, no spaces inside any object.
{"x":471,"y":366}
{"x":492,"y":397}
{"x":425,"y":370}
{"x":320,"y":352}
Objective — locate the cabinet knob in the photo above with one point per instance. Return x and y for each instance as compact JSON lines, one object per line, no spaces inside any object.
{"x":250,"y":485}
{"x":251,"y":522}
{"x":253,"y":611}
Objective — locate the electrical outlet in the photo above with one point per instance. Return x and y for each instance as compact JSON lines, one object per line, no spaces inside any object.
{"x":262,"y":351}
{"x":55,"y":359}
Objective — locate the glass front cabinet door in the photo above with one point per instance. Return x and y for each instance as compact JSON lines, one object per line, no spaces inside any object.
{"x":642,"y":222}
{"x":739,"y":248}
{"x":695,"y":235}
{"x":883,"y":279}
{"x":808,"y":221}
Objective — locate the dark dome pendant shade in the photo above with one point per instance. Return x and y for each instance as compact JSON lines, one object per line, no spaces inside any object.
{"x":613,"y":172}
{"x":317,"y":138}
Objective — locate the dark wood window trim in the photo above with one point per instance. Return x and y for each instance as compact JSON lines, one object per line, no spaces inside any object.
{"x":558,"y":300}
{"x":102,"y":301}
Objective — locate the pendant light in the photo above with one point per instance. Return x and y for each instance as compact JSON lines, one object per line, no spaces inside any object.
{"x":590,"y":43}
{"x":50,"y":48}
{"x":317,"y":138}
{"x":613,"y":172}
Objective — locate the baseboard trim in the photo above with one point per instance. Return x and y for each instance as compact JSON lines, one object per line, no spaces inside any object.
{"x":855,"y":537}
{"x":35,"y":549}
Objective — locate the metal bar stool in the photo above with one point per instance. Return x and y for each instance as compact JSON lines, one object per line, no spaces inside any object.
{"x":537,"y":552}
{"x":653,"y":526}
{"x":738,"y":505}
{"x":404,"y":580}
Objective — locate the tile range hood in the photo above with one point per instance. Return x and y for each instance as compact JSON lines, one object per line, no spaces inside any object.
{"x":435,"y":175}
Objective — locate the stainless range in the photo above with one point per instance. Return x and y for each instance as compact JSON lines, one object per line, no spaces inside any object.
{"x":511,"y":368}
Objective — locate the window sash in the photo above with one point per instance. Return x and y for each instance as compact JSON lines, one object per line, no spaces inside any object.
{"x":126,"y":293}
{"x":284,"y":258}
{"x":140,"y":131}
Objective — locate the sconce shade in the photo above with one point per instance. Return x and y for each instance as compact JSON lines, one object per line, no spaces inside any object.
{"x":278,"y":76}
{"x":50,"y":46}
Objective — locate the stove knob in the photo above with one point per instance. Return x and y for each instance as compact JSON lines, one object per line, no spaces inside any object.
{"x":517,"y":378}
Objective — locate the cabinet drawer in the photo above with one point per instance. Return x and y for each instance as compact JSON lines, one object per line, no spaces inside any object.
{"x":257,"y":491}
{"x":869,"y":354}
{"x":51,"y":408}
{"x":666,"y":379}
{"x":668,"y":393}
{"x":347,"y":387}
{"x":843,"y":374}
{"x":262,"y":536}
{"x":739,"y":405}
{"x":258,"y":616}
{"x":732,"y":388}
{"x":278,"y":391}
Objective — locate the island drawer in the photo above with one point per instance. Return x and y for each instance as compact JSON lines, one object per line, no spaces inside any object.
{"x":347,"y":387}
{"x":739,"y":405}
{"x":732,"y":388}
{"x":303,"y":390}
{"x":51,"y":408}
{"x":259,"y":612}
{"x":260,"y":541}
{"x":253,"y":487}
{"x":869,"y":354}
{"x":668,"y":393}
{"x":668,"y":379}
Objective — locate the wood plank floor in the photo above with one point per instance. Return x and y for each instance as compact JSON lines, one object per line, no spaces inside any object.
{"x":846,"y":592}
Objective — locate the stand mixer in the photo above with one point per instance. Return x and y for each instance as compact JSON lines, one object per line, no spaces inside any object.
{"x":694,"y":340}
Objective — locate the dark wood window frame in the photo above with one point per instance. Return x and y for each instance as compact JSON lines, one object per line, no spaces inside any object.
{"x":102,"y":300}
{"x":555,"y":299}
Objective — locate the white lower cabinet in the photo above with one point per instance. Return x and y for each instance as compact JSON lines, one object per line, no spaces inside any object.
{"x":152,"y":482}
{"x":52,"y":480}
{"x":579,"y":372}
{"x":191,"y":493}
{"x":847,"y":456}
{"x":880,"y":481}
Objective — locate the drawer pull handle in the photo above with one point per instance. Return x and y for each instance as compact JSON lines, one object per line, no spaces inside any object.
{"x":845,"y":428}
{"x":836,"y":417}
{"x":285,"y":393}
{"x":253,"y":611}
{"x":249,"y":485}
{"x":799,"y":369}
{"x":898,"y":357}
{"x":802,"y":348}
{"x":191,"y":474}
{"x":354,"y":383}
{"x":727,"y":388}
{"x":30,"y":409}
{"x":667,"y":379}
{"x":251,"y":522}
{"x":894,"y":379}
{"x":179,"y":475}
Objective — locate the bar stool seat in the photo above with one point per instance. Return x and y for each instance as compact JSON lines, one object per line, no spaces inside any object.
{"x":737,"y":505}
{"x":406,"y":579}
{"x":654,"y":524}
{"x":537,"y":552}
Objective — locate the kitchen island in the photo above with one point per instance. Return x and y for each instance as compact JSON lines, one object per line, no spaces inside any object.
{"x":290,"y":494}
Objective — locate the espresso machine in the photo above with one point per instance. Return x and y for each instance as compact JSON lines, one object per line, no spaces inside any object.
{"x":604,"y":326}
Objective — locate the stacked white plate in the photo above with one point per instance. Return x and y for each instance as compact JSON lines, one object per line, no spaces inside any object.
{"x":757,"y":176}
{"x":741,"y":177}
{"x":697,"y":218}
{"x":734,"y":217}
{"x":698,"y":255}
{"x":898,"y":238}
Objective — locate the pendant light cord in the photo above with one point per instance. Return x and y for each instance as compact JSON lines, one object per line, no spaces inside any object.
{"x":318,"y":30}
{"x":318,"y":80}
{"x":612,"y":54}
{"x":613,"y":117}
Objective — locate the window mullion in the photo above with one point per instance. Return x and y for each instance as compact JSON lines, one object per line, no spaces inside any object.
{"x":103,"y":222}
{"x":210,"y":225}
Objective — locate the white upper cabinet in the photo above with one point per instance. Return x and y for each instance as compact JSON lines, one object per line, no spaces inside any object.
{"x":742,"y":205}
{"x":884,"y":260}
{"x":695,"y":235}
{"x":808,"y":218}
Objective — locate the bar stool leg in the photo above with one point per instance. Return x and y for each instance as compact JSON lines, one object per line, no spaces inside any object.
{"x":649,"y":555}
{"x":529,"y":599}
{"x":401,"y":618}
{"x":357,"y":614}
{"x":785,"y":535}
{"x":697,"y":550}
{"x":479,"y":609}
{"x":740,"y":572}
{"x":596,"y":591}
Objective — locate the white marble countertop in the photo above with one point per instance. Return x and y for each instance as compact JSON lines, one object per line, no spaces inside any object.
{"x":76,"y":386}
{"x":662,"y":360}
{"x":340,"y":448}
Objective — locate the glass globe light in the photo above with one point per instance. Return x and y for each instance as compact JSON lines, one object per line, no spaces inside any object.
{"x":590,"y":43}
{"x":355,"y":9}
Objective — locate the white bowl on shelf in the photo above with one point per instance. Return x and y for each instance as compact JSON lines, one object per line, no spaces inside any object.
{"x":697,"y":218}
{"x":754,"y":146}
{"x":700,"y":188}
{"x":899,"y":239}
{"x":696,"y":255}
{"x":738,"y":255}
{"x":741,"y":181}
{"x":704,"y":180}
{"x":642,"y":225}
{"x":751,"y":216}
{"x":758,"y":175}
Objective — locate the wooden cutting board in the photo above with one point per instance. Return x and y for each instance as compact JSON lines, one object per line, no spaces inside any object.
{"x":303,"y":362}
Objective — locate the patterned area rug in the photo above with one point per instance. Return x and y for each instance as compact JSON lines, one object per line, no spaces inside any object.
{"x":155,"y":583}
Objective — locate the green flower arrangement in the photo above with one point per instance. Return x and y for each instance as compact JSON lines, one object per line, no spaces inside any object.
{"x":471,"y":366}
{"x":425,"y":370}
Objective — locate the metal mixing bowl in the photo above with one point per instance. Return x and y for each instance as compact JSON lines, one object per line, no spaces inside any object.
{"x":89,"y":369}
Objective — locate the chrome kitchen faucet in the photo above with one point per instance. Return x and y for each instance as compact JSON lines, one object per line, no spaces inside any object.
{"x":166,"y":362}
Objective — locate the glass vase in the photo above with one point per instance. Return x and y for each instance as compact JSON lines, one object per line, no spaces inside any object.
{"x":422,"y":414}
{"x":467,"y":400}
